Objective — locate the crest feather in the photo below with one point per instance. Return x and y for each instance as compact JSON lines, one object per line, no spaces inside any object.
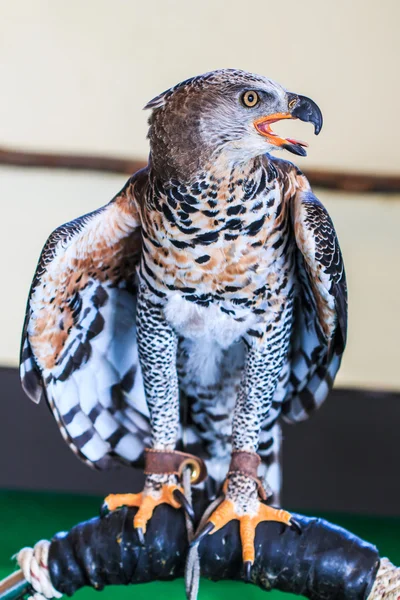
{"x":160,"y":100}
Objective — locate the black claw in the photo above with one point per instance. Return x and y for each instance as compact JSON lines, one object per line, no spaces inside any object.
{"x":183,"y":501}
{"x":140,"y":535}
{"x":247,"y":571}
{"x":295,"y":525}
{"x":203,"y":533}
{"x":104,"y":510}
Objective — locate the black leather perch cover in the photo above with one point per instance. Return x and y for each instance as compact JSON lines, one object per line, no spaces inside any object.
{"x":324,"y":562}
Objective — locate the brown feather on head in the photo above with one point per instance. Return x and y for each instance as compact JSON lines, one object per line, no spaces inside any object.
{"x":225,"y":116}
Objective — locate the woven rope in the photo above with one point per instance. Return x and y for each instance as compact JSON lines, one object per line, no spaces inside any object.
{"x":192,"y":568}
{"x":34,"y":564}
{"x":387,"y":582}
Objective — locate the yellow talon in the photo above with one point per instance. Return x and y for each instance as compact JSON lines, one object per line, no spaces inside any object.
{"x":226,"y":512}
{"x":114,"y":501}
{"x":146,"y":503}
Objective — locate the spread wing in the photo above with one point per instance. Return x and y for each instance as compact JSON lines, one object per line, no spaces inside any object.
{"x":79,"y":339}
{"x":321,"y":313}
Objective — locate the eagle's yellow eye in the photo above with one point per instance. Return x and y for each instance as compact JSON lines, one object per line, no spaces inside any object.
{"x":250,"y":98}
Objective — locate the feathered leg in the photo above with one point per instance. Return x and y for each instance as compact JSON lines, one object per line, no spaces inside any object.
{"x":157,"y":345}
{"x":270,"y":470}
{"x":243,"y":490}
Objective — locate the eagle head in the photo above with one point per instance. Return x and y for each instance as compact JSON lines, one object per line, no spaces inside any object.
{"x":226,"y":116}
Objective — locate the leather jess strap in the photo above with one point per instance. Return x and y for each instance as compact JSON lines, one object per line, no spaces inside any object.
{"x":173,"y":462}
{"x":247,"y":463}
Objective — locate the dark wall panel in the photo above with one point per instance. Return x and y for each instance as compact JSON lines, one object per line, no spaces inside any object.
{"x":345,"y":458}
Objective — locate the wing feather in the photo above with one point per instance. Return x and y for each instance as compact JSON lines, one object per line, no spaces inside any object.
{"x":79,"y":338}
{"x":320,"y":326}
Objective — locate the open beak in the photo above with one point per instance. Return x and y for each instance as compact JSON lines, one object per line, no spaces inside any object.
{"x":299,"y":107}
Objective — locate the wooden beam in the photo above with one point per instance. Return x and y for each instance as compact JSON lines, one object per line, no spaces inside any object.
{"x":329,"y":180}
{"x":348,"y":181}
{"x":69,"y":161}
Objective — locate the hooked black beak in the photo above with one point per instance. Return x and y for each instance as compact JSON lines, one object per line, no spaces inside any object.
{"x":305,"y":109}
{"x":299,"y":107}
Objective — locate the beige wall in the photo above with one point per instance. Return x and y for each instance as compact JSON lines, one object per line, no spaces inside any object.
{"x":76,"y":74}
{"x":38,"y":201}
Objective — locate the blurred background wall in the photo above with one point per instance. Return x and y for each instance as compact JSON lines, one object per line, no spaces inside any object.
{"x":77,"y":74}
{"x":75,"y":77}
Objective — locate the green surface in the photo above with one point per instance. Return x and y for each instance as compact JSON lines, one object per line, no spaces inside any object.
{"x":29,"y":517}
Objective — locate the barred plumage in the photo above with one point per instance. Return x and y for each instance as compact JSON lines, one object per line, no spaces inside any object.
{"x":242,"y":295}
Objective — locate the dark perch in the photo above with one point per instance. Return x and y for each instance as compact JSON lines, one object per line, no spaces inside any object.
{"x":324,"y":562}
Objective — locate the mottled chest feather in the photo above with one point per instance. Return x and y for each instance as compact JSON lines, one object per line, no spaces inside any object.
{"x":99,"y":248}
{"x":224,"y":239}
